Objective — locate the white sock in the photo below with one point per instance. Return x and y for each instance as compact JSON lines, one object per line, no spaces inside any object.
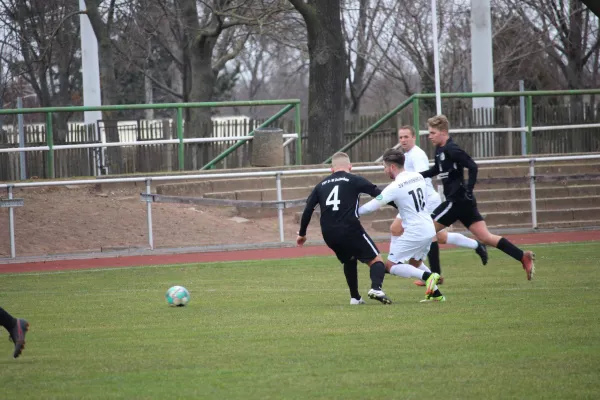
{"x":406,"y":271}
{"x":461,"y":240}
{"x":424,"y":267}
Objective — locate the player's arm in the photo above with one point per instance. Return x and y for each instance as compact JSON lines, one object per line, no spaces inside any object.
{"x":461,"y":157}
{"x":311,"y":203}
{"x":431,"y":172}
{"x":378,"y":202}
{"x":365,"y":186}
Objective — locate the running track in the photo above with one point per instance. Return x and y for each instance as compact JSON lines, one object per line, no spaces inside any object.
{"x":259,"y":254}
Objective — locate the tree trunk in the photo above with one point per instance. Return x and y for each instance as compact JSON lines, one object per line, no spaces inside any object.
{"x":198,"y":122}
{"x":327,"y":69}
{"x":575,"y":55}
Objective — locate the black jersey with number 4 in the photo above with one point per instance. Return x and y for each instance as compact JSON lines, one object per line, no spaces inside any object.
{"x":450,"y":161}
{"x":337,"y":196}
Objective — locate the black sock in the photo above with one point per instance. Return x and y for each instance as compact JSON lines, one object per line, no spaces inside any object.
{"x":377,"y":275}
{"x":510,"y":249}
{"x":434,"y":258}
{"x":437,"y":293}
{"x":426,"y":275}
{"x":7,"y":320}
{"x":351,"y":273}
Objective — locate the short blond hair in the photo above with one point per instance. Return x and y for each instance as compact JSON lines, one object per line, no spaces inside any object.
{"x":340,"y":159}
{"x":439,"y":122}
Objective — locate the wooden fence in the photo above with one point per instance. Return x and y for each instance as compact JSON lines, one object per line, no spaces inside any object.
{"x":164,"y":157}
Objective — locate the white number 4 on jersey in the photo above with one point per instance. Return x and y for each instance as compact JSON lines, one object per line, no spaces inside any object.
{"x":332,"y":199}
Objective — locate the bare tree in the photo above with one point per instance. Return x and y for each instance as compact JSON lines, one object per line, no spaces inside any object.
{"x":569,"y":32}
{"x":363,"y":24}
{"x":45,"y":37}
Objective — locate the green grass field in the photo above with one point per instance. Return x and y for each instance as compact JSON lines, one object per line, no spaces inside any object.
{"x":284,"y":329}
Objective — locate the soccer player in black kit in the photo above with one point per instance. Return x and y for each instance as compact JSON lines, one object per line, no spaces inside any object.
{"x":337,"y":196}
{"x":460,"y":204}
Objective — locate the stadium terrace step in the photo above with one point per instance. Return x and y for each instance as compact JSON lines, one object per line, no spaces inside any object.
{"x":559,"y":203}
{"x":502,"y":192}
{"x":568,"y":218}
{"x":541,"y":192}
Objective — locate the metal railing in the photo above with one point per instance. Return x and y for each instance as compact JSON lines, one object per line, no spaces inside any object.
{"x":179,"y":107}
{"x":527,"y":130}
{"x":11,"y":202}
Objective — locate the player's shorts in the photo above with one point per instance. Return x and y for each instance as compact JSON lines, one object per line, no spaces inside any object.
{"x":449,"y":212}
{"x":433,"y":201}
{"x":403,"y":248}
{"x":351,"y":245}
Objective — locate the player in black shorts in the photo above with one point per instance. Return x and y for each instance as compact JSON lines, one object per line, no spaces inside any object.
{"x":460,"y":203}
{"x":337,"y":196}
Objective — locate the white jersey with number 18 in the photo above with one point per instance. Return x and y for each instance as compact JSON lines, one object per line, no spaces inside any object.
{"x":409,"y":193}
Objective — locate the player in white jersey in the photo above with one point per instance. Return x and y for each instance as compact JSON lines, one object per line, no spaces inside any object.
{"x":416,"y":160}
{"x":408,"y":192}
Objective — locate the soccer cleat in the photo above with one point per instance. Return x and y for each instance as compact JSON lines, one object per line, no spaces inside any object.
{"x":430,"y":299}
{"x":421,"y":283}
{"x":481,"y":251}
{"x":17,"y":335}
{"x":354,"y":301}
{"x":431,"y":283}
{"x":379,"y":296}
{"x":527,"y":261}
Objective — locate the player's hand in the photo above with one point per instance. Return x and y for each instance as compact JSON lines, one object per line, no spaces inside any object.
{"x":470,"y":197}
{"x":300,"y":240}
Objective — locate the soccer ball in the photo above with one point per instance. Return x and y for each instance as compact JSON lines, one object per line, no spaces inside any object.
{"x":177,"y":296}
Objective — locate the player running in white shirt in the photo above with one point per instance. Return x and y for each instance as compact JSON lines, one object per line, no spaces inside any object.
{"x":416,"y":160}
{"x":408,"y":192}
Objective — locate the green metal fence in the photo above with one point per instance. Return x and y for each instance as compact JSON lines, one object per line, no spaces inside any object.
{"x":179,"y":107}
{"x":415,"y":100}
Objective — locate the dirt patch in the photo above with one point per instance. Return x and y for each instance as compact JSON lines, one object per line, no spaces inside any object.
{"x":73,"y":219}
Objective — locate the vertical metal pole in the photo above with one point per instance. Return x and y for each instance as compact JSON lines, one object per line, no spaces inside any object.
{"x":529,"y":110}
{"x":299,"y":132}
{"x":50,"y":143}
{"x":279,"y":206}
{"x":532,"y":191}
{"x":22,"y":165}
{"x":149,"y":215}
{"x":416,"y":122}
{"x":180,"y":137}
{"x":436,"y":62}
{"x":11,"y":224}
{"x":522,"y":115}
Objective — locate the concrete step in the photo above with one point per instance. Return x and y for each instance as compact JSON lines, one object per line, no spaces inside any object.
{"x":522,"y":184}
{"x":543,"y":216}
{"x":554,"y":191}
{"x":560,"y":203}
{"x":483,"y":195}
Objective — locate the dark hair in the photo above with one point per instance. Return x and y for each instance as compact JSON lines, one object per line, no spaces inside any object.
{"x":394,"y":156}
